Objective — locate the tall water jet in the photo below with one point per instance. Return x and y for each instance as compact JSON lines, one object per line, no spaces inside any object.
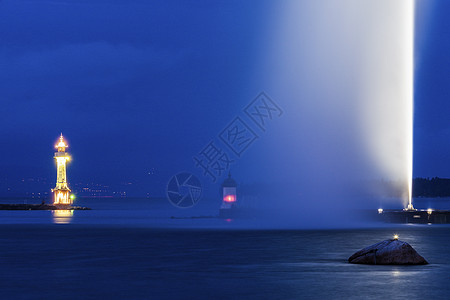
{"x":343,"y":72}
{"x":409,"y":57}
{"x":388,"y":93}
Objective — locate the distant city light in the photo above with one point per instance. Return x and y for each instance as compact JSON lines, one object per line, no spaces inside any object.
{"x":429,"y":211}
{"x":395,"y":236}
{"x":380,"y":210}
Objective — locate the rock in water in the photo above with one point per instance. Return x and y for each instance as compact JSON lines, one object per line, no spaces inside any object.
{"x":388,"y":252}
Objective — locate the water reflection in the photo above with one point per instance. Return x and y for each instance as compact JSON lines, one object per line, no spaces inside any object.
{"x":62,"y":216}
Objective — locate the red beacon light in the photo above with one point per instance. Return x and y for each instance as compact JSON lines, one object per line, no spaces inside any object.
{"x":229,"y":198}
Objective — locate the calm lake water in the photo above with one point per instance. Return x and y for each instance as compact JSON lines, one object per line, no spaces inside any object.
{"x":126,"y":252}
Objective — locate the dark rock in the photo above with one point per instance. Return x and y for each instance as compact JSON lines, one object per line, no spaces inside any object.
{"x":388,"y":252}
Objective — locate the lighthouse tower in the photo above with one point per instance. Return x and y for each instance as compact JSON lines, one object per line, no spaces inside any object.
{"x":229,"y":199}
{"x":61,"y":191}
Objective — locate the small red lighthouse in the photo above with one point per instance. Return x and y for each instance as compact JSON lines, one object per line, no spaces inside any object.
{"x":229,"y":197}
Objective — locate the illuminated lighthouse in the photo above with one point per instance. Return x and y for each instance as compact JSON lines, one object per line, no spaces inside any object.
{"x":61,"y":191}
{"x":229,"y":200}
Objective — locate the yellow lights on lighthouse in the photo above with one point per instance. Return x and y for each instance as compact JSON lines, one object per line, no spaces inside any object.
{"x":61,"y":191}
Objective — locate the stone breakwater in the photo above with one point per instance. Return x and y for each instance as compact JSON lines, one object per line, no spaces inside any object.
{"x":40,"y":207}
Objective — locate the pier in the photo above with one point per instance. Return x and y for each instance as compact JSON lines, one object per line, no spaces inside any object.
{"x":424,"y":216}
{"x":40,"y":207}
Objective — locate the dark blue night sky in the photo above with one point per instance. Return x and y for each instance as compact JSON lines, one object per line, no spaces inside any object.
{"x":139,"y":87}
{"x":432,"y":90}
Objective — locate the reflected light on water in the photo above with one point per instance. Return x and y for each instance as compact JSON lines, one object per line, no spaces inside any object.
{"x":395,"y":273}
{"x":62,"y":216}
